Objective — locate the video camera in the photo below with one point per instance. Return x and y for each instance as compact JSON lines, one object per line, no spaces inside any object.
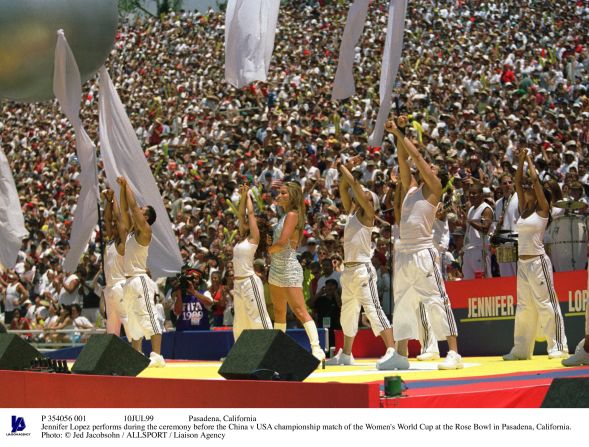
{"x":187,"y":276}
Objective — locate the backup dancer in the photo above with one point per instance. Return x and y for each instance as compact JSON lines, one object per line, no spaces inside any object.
{"x":286,"y":274}
{"x":536,"y":297}
{"x":139,"y":289}
{"x":359,"y":277}
{"x":249,"y":304}
{"x":417,"y":277}
{"x":113,"y":267}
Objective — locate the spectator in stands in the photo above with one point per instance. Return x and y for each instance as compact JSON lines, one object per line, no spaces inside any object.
{"x":70,"y":293}
{"x":50,"y":322}
{"x":20,"y":323}
{"x":64,"y":322}
{"x":38,"y":310}
{"x":327,"y":273}
{"x":192,"y":302}
{"x":15,"y":296}
{"x":219,"y":295}
{"x":79,"y":322}
{"x":326,"y":308}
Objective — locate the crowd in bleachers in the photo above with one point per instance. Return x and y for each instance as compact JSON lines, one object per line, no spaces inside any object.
{"x":477,"y":80}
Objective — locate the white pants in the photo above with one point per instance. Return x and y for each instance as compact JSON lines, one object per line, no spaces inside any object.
{"x":472,"y":262}
{"x":537,"y":303}
{"x":116,"y":314}
{"x":139,"y":299}
{"x":359,"y":291}
{"x":418,"y":280}
{"x":249,"y":306}
{"x":427,"y":339}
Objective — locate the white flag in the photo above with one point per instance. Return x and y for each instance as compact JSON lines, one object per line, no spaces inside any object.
{"x":390,"y":65}
{"x":12,"y":222}
{"x":122,"y":155}
{"x":67,"y":87}
{"x":343,"y":85}
{"x":250,"y":26}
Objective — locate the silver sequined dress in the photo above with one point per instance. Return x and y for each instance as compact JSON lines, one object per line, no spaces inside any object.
{"x":285,"y":270}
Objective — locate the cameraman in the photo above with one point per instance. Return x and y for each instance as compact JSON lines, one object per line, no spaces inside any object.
{"x":192,"y":302}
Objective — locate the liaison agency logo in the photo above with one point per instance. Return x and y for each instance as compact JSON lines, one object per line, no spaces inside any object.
{"x":18,"y":426}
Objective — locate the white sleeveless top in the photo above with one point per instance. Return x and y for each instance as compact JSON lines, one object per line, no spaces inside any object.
{"x":357,"y":241}
{"x":243,"y":258}
{"x":441,"y":235}
{"x":474,"y":238}
{"x":11,"y":296}
{"x":135,"y":260}
{"x":531,"y":234}
{"x":113,"y":265}
{"x":417,"y":222}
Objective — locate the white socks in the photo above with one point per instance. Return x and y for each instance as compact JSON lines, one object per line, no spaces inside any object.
{"x":282,"y":327}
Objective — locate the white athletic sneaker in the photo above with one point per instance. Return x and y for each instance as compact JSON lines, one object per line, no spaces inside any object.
{"x":392,"y":360}
{"x":579,"y":358}
{"x":556,"y":354}
{"x":340,"y":359}
{"x":427,"y":356}
{"x":512,"y":356}
{"x":156,"y":360}
{"x":453,"y":360}
{"x":318,"y":353}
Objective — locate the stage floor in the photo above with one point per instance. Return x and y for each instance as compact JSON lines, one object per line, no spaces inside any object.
{"x":483,"y":382}
{"x":365,"y":370}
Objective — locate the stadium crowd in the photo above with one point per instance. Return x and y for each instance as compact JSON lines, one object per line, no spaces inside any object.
{"x":478,"y":79}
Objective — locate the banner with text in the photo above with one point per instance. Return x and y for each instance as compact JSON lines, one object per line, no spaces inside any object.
{"x":485,"y":311}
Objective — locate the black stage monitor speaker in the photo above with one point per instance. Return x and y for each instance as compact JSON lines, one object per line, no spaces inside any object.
{"x":16,"y":354}
{"x":108,"y":355}
{"x":567,"y":393}
{"x":261,"y":354}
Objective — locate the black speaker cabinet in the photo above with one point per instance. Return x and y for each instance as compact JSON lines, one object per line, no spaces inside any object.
{"x":15,"y":353}
{"x":108,"y":355}
{"x":261,"y":354}
{"x":567,"y":393}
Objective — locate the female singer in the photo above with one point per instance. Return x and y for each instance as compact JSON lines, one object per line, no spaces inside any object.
{"x":286,"y":274}
{"x":536,"y":297}
{"x":249,"y":304}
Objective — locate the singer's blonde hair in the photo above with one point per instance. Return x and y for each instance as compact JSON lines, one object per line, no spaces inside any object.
{"x":296,"y":203}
